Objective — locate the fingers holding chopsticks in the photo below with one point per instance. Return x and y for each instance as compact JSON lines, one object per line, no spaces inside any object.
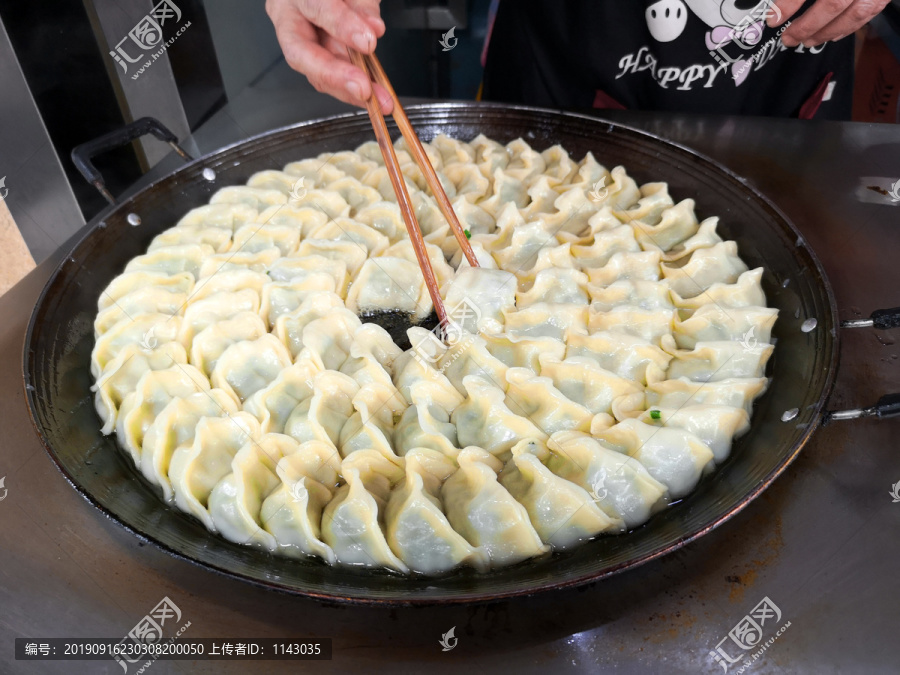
{"x":314,"y":36}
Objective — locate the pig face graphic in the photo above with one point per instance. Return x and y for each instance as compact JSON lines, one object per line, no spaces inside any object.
{"x":666,"y":19}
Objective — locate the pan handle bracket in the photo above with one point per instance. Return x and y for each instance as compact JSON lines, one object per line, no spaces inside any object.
{"x":882,"y":319}
{"x":82,"y":154}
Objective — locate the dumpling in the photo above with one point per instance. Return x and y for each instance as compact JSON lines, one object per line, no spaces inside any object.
{"x":546,"y":320}
{"x":649,"y":209}
{"x":255,"y":261}
{"x":734,"y":392}
{"x":486,"y":514}
{"x":255,"y":237}
{"x":322,"y":416}
{"x":426,"y":423}
{"x":673,"y":456}
{"x":714,"y":323}
{"x":372,"y":425}
{"x":477,"y":298}
{"x":625,"y":355}
{"x":556,"y":285}
{"x":281,"y":297}
{"x":352,"y":521}
{"x":146,"y":300}
{"x":389,"y":284}
{"x":121,"y":375}
{"x":217,"y":307}
{"x":128,"y":282}
{"x":404,"y":249}
{"x":715,"y":425}
{"x":211,"y":342}
{"x":745,"y":292}
{"x":646,"y":295}
{"x":229,"y":217}
{"x":470,"y":356}
{"x":329,"y":339}
{"x":298,"y":269}
{"x":643,"y":266}
{"x":259,"y":198}
{"x":537,"y":399}
{"x":581,"y":380}
{"x":303,"y":217}
{"x":619,"y":484}
{"x":346,"y":229}
{"x":562,"y":513}
{"x":172,"y":259}
{"x":705,"y":267}
{"x":485,"y":420}
{"x":350,"y":253}
{"x":522,"y":352}
{"x":248,"y":366}
{"x":231,"y":281}
{"x":273,"y":404}
{"x":647,"y":324}
{"x":175,"y":425}
{"x":676,"y":224}
{"x":372,"y":353}
{"x":148,"y":331}
{"x":417,"y":529}
{"x":289,"y":327}
{"x":292,"y":514}
{"x":196,"y":468}
{"x":713,"y":361}
{"x":604,"y":246}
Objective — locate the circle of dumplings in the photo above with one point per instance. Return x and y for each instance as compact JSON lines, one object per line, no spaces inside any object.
{"x":603,"y":356}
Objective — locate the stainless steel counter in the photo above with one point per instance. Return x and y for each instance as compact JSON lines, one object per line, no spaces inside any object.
{"x":822,"y":543}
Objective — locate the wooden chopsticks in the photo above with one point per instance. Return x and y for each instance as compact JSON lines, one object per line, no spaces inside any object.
{"x":422,"y":160}
{"x":397,"y":181}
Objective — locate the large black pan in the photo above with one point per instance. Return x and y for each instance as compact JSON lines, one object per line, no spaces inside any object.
{"x":60,"y":338}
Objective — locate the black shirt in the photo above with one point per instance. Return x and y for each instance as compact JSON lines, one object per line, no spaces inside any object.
{"x":705,"y":56}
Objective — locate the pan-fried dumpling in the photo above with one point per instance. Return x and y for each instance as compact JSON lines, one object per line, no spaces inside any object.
{"x":172,"y":259}
{"x":537,"y":399}
{"x":227,"y":216}
{"x":522,"y":352}
{"x":477,"y":298}
{"x":372,"y":353}
{"x":128,"y":282}
{"x":273,"y":180}
{"x":256,"y":261}
{"x":148,"y":331}
{"x":316,"y":460}
{"x":281,"y":297}
{"x":352,"y":254}
{"x":713,"y":361}
{"x":558,"y":166}
{"x":153,"y":392}
{"x":292,"y":513}
{"x":371,"y":426}
{"x":350,"y":163}
{"x":175,"y":425}
{"x":604,"y":246}
{"x":417,"y":529}
{"x":581,"y":380}
{"x":562,"y":513}
{"x":217,"y":307}
{"x":647,"y":295}
{"x":625,"y":355}
{"x":642,"y":266}
{"x":505,"y":189}
{"x":357,"y":195}
{"x":250,"y":365}
{"x":209,"y":344}
{"x":289,"y":327}
{"x":705,"y":267}
{"x":236,"y":501}
{"x":734,"y":392}
{"x":197,"y":467}
{"x":121,"y":375}
{"x":526,"y":242}
{"x":411,"y":367}
{"x":705,"y":237}
{"x":384,"y":217}
{"x":258,"y":198}
{"x":543,"y":199}
{"x":297,"y":269}
{"x":715,"y":425}
{"x":647,"y":324}
{"x":426,"y":423}
{"x":745,"y":292}
{"x":556,"y":285}
{"x":316,"y":172}
{"x":230,"y":281}
{"x":471,"y":185}
{"x":712,"y":323}
{"x":273,"y":404}
{"x":619,"y":484}
{"x":673,"y":456}
{"x":654,"y":200}
{"x":546,"y":320}
{"x":346,"y":229}
{"x":485,"y":420}
{"x":484,"y":512}
{"x":330,"y":338}
{"x":322,"y":416}
{"x":386,"y":284}
{"x":146,"y":300}
{"x":676,"y":224}
{"x":469,"y":355}
{"x":306,"y":218}
{"x":352,"y":521}
{"x":404,"y":249}
{"x":255,"y":237}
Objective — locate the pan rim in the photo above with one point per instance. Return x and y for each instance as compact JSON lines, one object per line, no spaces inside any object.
{"x":471,"y":597}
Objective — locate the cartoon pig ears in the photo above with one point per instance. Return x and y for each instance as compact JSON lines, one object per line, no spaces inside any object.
{"x":666,"y":19}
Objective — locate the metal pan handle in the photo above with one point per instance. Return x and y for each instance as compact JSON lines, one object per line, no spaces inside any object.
{"x":889,"y":404}
{"x":83,"y":153}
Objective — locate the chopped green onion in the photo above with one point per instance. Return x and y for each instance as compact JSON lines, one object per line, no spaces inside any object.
{"x":655,"y":414}
{"x":468,"y":234}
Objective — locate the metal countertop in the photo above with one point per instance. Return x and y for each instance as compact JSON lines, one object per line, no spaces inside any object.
{"x":822,"y":543}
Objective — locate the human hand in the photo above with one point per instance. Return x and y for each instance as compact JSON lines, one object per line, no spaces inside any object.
{"x":314,"y":36}
{"x":825,"y":21}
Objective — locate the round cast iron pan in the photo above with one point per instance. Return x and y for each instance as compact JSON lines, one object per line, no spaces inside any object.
{"x":60,"y":338}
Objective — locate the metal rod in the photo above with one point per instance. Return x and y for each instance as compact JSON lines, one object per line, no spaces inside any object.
{"x":857,"y":323}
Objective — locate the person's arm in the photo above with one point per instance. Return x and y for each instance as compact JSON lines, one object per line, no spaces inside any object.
{"x":314,"y":36}
{"x":825,"y":21}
